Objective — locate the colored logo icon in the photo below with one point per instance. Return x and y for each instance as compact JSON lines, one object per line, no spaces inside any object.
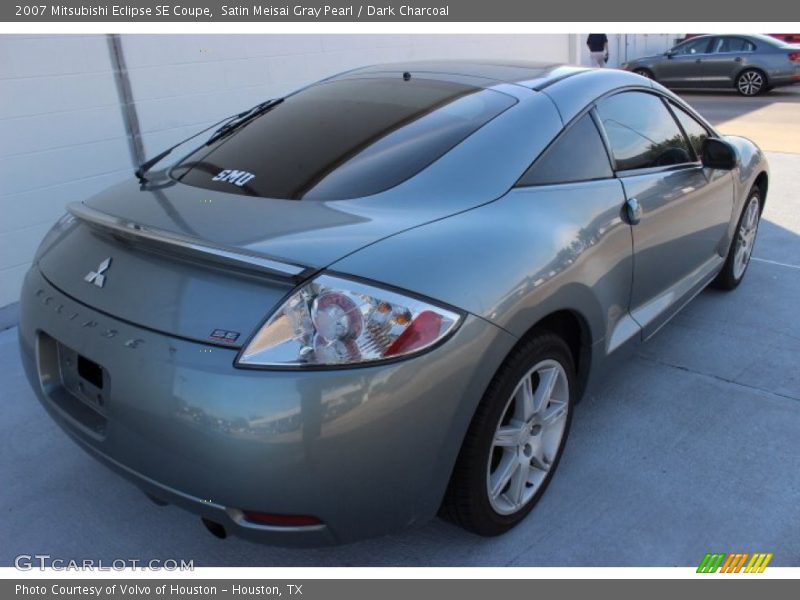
{"x":741,"y":562}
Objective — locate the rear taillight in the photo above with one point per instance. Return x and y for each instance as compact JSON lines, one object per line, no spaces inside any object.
{"x":423,"y":331}
{"x":333,"y":321}
{"x":794,"y":56}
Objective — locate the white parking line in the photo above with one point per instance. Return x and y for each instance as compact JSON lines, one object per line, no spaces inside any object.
{"x":775,"y":262}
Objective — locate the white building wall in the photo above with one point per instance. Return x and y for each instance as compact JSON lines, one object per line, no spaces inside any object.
{"x":62,"y":137}
{"x":627,"y":46}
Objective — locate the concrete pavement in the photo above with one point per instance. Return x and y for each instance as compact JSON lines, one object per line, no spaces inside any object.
{"x":772,"y":120}
{"x":690,"y":448}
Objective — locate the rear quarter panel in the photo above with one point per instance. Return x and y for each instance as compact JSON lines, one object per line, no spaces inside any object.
{"x":752,"y":164}
{"x":512,"y":262}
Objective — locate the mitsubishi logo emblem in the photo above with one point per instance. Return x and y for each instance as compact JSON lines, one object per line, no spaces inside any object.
{"x":98,"y":277}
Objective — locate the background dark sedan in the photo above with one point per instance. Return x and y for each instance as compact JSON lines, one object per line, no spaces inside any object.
{"x":751,"y":64}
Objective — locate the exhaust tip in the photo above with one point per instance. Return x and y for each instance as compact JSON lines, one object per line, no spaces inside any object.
{"x":217,"y":530}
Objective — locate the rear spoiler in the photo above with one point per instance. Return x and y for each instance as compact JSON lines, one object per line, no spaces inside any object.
{"x":175,"y":243}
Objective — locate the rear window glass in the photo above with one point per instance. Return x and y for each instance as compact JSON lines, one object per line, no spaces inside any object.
{"x":343,"y":139}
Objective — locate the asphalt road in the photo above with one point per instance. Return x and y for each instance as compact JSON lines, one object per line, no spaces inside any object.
{"x":691,"y":448}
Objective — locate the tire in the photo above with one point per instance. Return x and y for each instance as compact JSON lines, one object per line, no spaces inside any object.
{"x":751,"y":82}
{"x":741,"y":247}
{"x":535,"y":441}
{"x":645,"y":73}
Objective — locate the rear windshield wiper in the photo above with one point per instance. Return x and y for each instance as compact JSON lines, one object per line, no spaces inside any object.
{"x":242,"y":119}
{"x":229,"y":124}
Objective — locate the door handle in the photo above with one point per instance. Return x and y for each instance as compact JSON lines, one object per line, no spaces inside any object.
{"x":738,"y":59}
{"x":634,"y":211}
{"x":698,"y":61}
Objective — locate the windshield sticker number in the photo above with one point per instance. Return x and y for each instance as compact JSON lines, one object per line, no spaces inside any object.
{"x":235,"y":177}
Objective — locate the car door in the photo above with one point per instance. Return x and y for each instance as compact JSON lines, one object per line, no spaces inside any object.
{"x":682,"y":66}
{"x":726,"y":57}
{"x":678,"y":210}
{"x":571,"y":189}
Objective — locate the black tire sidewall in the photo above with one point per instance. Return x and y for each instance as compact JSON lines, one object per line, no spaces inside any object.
{"x":726,"y":278}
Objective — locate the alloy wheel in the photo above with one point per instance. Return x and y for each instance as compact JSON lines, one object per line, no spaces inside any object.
{"x":528,"y":437}
{"x":750,"y":83}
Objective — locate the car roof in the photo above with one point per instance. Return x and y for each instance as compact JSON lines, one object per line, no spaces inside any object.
{"x":752,"y":36}
{"x":530,"y":74}
{"x":570,"y":87}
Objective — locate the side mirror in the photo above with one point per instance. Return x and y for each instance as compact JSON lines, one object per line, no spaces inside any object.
{"x":718,"y":154}
{"x":669,"y":53}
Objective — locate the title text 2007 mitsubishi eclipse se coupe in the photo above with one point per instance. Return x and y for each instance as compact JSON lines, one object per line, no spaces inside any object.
{"x":380,"y":297}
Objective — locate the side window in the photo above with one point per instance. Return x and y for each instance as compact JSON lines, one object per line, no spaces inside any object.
{"x":642,"y":132}
{"x":696,"y":132}
{"x":731,"y":44}
{"x":741,"y":45}
{"x":578,"y":155}
{"x":719,"y":45}
{"x":692,"y":47}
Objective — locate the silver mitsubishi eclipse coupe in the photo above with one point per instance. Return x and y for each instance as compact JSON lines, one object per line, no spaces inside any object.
{"x":379,"y":298}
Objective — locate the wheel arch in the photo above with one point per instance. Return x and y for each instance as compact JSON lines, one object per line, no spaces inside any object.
{"x":762,"y":183}
{"x":573,"y":327}
{"x":566,"y":323}
{"x":751,"y":68}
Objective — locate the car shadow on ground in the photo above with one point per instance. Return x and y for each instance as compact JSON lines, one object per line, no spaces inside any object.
{"x":730,"y":104}
{"x":781,"y":94}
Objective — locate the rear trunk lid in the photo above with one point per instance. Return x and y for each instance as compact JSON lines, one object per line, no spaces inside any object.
{"x":205,"y":265}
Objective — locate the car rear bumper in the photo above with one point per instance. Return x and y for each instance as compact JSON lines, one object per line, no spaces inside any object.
{"x":367,"y":450}
{"x":785,"y":75}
